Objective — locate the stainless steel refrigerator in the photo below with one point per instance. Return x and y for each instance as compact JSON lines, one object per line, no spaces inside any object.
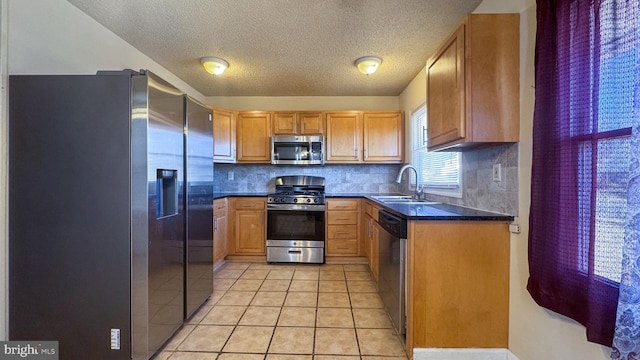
{"x":97,"y":220}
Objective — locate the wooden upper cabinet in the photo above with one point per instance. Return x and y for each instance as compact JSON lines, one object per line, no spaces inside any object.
{"x":383,"y":137}
{"x":445,"y":92}
{"x":298,"y":123}
{"x":284,"y":123}
{"x":473,"y":88}
{"x":365,"y":137}
{"x":224,"y":136}
{"x":344,"y":137}
{"x":311,"y":123}
{"x":253,"y":137}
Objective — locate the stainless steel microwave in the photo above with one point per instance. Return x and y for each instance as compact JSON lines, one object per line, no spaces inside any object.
{"x":297,"y":150}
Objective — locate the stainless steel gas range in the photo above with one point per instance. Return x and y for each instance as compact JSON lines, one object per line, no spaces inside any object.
{"x":295,"y":220}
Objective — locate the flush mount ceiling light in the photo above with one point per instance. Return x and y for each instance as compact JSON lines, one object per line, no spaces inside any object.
{"x":214,"y":65}
{"x":368,"y":64}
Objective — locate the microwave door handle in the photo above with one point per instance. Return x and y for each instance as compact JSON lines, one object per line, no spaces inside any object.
{"x":276,"y":156}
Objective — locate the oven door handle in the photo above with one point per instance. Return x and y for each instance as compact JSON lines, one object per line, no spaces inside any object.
{"x":286,"y":207}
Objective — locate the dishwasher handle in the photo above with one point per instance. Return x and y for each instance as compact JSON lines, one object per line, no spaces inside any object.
{"x":393,"y":224}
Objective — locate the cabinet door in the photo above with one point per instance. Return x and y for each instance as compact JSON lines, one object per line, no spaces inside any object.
{"x":254,"y":137}
{"x":446,"y":92}
{"x":219,"y":230}
{"x":375,"y":249}
{"x":219,"y":238}
{"x":224,"y":136}
{"x":311,"y":123}
{"x":250,"y":232}
{"x":344,"y":137}
{"x":284,"y":123}
{"x":383,"y":137}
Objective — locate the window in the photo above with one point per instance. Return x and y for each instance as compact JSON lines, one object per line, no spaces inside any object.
{"x":438,"y":172}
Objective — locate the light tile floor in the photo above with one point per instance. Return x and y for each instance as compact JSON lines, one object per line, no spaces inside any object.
{"x":289,"y":312}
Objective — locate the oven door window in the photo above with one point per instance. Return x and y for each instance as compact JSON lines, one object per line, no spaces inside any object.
{"x":295,"y":225}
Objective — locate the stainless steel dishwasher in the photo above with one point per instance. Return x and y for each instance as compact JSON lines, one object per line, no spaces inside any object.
{"x":392,"y":259}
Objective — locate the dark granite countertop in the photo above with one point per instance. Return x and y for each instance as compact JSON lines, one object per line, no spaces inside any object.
{"x":431,"y":211}
{"x":409,"y":211}
{"x":224,"y":195}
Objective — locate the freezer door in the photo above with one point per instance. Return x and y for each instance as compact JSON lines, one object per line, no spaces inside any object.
{"x":199,"y":205}
{"x":158,"y":218}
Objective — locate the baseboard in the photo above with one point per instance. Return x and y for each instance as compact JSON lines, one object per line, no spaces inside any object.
{"x":463,"y":354}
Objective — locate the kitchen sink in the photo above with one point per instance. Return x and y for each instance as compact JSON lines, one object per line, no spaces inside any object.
{"x":402,"y":199}
{"x":412,"y":202}
{"x":385,"y":198}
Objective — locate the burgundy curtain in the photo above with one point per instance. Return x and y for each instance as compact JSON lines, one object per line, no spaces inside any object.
{"x":572,"y":43}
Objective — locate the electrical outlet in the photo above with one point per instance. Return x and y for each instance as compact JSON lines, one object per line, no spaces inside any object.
{"x":514,"y":228}
{"x":497,"y":173}
{"x":230,"y":175}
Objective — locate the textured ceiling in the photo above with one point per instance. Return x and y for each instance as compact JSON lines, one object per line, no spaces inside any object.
{"x":285,"y":47}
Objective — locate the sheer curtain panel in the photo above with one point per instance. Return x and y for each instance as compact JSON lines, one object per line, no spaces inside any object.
{"x":585,"y":80}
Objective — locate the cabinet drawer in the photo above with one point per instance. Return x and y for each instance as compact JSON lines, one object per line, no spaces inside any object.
{"x":342,"y":247}
{"x":371,"y":210}
{"x":250,"y":203}
{"x":342,"y":217}
{"x":342,"y":204}
{"x":220,"y":207}
{"x":342,"y":231}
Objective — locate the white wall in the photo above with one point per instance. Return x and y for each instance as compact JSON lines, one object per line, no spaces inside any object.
{"x":412,"y":97}
{"x":54,"y":37}
{"x":534,"y":332}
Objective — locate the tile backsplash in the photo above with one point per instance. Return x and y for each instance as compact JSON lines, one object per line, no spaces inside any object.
{"x":258,"y":178}
{"x":479,"y":189}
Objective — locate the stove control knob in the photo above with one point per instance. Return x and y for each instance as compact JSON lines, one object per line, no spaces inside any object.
{"x":315,"y":201}
{"x":295,"y":200}
{"x":308,"y":200}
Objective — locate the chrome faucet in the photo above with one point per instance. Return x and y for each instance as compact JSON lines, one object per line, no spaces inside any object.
{"x":418,"y":191}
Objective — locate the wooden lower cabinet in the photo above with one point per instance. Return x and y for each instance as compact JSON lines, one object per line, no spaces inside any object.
{"x":247,"y":232}
{"x":458,"y":284}
{"x":370,"y":235}
{"x":219,"y":230}
{"x":342,"y":220}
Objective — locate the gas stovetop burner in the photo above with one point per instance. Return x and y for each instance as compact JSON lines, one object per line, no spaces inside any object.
{"x":304,"y":190}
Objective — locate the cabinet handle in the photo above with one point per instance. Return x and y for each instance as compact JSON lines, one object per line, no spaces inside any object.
{"x":342,"y":248}
{"x":424,"y":135}
{"x":365,"y":154}
{"x":341,"y":206}
{"x":342,"y":232}
{"x":341,"y":219}
{"x":215,"y":223}
{"x":355,"y":152}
